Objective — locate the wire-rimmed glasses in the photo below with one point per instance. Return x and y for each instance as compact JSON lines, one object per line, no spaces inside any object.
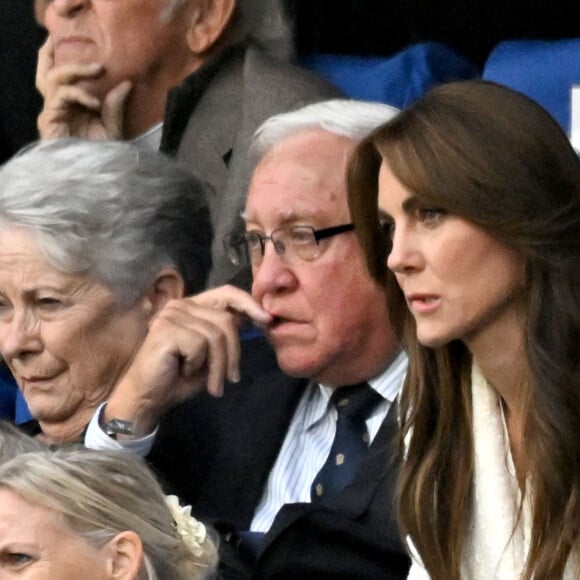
{"x":302,"y":242}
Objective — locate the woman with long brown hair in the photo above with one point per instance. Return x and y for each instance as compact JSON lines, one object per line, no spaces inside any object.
{"x":478,"y":190}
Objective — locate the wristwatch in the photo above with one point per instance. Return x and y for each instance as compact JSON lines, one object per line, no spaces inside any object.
{"x":116,"y":427}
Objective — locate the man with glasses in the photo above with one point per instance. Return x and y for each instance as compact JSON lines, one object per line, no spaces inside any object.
{"x":298,"y":484}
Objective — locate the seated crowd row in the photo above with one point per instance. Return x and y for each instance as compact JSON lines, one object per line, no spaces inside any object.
{"x":388,"y":385}
{"x":424,"y":262}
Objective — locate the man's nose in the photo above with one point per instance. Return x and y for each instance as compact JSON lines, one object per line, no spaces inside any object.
{"x":68,"y":8}
{"x":273,"y":275}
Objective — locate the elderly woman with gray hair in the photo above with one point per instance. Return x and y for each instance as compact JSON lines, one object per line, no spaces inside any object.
{"x":96,"y":516}
{"x":95,"y":238}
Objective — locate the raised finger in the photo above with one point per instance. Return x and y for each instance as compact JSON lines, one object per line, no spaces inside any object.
{"x":70,"y":74}
{"x":205,"y":351}
{"x":59,"y":106}
{"x":218,"y":327}
{"x":235,"y":300}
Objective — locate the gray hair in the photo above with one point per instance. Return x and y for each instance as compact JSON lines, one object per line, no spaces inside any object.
{"x":103,"y":493}
{"x":264,"y":23}
{"x":343,"y":117}
{"x":14,"y":442}
{"x":110,"y":210}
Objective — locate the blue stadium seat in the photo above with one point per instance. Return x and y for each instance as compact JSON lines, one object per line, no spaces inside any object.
{"x":21,"y":412}
{"x":543,"y":70}
{"x":12,"y":404}
{"x":397,"y":80}
{"x":8,"y":390}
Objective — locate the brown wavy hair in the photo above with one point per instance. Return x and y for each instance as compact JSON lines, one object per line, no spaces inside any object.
{"x":493,"y":157}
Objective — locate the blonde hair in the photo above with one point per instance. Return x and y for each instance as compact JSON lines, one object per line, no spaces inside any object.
{"x":101,"y":494}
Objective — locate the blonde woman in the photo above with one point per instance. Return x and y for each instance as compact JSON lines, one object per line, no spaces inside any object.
{"x":96,"y":516}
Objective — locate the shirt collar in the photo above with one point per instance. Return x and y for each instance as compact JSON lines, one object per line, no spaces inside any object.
{"x":387,"y":384}
{"x":151,"y":138}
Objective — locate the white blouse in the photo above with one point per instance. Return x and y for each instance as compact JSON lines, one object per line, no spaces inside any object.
{"x":494,"y":549}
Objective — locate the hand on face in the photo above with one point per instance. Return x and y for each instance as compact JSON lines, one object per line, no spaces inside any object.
{"x":69,"y":109}
{"x":192,"y":344}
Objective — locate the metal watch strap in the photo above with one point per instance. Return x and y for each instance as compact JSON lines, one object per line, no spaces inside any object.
{"x":116,"y":427}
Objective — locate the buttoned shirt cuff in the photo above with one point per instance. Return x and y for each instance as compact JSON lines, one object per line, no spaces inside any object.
{"x":96,"y":438}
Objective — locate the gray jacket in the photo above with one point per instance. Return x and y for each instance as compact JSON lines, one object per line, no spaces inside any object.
{"x":242,"y":90}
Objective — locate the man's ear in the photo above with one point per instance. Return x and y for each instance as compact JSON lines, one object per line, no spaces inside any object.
{"x":209,"y":19}
{"x":168,"y":285}
{"x":124,"y":555}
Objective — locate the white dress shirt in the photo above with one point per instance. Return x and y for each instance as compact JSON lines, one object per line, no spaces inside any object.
{"x":151,"y":139}
{"x":96,"y":438}
{"x":309,"y":439}
{"x":305,"y":447}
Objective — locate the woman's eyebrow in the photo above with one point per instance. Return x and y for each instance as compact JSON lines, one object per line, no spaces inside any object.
{"x":410,"y":205}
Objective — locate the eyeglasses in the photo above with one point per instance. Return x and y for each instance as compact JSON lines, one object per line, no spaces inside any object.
{"x":300,"y":241}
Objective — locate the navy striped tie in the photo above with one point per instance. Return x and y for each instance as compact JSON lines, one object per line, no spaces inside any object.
{"x":351,"y":442}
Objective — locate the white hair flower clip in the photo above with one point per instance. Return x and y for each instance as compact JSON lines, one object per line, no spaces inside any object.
{"x":192,"y":531}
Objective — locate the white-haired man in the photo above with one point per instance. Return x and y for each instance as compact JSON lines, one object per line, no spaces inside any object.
{"x":252,"y":461}
{"x":195,"y":77}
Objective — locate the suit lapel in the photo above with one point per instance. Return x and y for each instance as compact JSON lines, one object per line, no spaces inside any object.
{"x":377,"y":473}
{"x":255,"y":417}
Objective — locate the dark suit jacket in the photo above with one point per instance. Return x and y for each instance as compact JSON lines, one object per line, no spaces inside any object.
{"x":210,"y":121}
{"x":217,"y":454}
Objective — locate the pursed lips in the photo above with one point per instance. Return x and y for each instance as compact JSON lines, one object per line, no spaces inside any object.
{"x":34,"y":379}
{"x":285,"y":318}
{"x":277,"y":320}
{"x":278,"y":315}
{"x":72,"y":38}
{"x":282,"y":320}
{"x":72,"y":41}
